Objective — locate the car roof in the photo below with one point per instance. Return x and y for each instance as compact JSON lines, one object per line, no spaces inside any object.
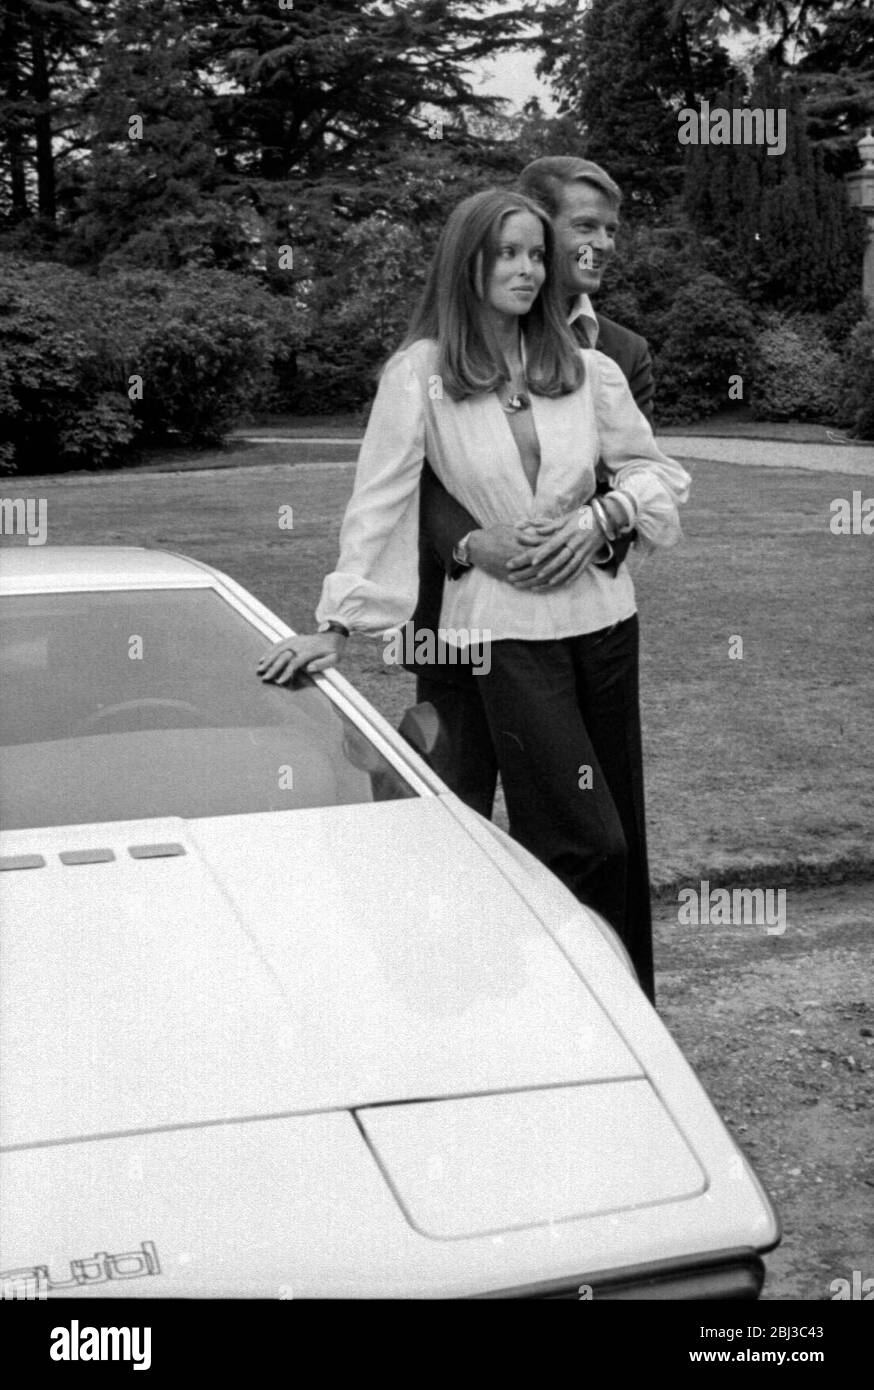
{"x":59,"y":568}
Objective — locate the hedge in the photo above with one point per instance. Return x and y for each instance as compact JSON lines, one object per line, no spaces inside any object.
{"x":796,"y":374}
{"x":857,"y":397}
{"x":204,"y":344}
{"x":708,"y":335}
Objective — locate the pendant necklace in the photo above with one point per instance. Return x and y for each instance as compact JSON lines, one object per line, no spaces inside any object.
{"x":518,"y":400}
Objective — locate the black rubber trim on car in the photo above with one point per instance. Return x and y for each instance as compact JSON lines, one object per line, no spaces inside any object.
{"x":725,"y":1274}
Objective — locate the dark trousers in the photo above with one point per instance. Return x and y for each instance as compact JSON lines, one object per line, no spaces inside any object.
{"x":464,"y":755}
{"x":555,"y":716}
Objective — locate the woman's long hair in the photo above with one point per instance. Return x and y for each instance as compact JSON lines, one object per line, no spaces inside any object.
{"x":451,"y":307}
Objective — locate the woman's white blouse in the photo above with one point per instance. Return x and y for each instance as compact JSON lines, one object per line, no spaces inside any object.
{"x":471,"y":448}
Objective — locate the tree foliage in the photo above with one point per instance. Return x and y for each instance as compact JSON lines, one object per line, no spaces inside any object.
{"x":836,"y":76}
{"x":623,"y":70}
{"x":47,"y":50}
{"x":858,"y":398}
{"x":783,"y":29}
{"x":796,"y":373}
{"x":237,"y":99}
{"x":308,"y":90}
{"x":202,"y":344}
{"x":61,"y":400}
{"x":784,"y":225}
{"x":707,"y":338}
{"x":313,"y":150}
{"x":152,"y":171}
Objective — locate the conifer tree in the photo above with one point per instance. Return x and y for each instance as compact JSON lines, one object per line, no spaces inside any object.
{"x":152,"y":156}
{"x":623,"y":69}
{"x":47,"y":48}
{"x":836,"y":76}
{"x":783,"y":222}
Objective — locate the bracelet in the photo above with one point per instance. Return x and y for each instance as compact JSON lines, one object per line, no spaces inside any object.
{"x":600,"y":558}
{"x":608,"y":526}
{"x":626,"y":505}
{"x":461,"y":553}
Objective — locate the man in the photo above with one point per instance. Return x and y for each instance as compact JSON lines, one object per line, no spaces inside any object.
{"x":583,"y":202}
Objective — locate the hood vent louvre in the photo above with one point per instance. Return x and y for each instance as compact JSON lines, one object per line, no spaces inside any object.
{"x":21,"y":861}
{"x":155,"y":851}
{"x":86,"y":856}
{"x":92,"y":856}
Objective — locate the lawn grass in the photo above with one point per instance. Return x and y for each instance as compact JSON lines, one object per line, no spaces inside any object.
{"x":752,"y":763}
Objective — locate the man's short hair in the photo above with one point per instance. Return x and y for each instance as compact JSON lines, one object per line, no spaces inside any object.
{"x":545,"y":179}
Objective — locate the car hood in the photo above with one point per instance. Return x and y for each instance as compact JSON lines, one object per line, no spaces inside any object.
{"x":242,"y":967}
{"x":485,"y":1193}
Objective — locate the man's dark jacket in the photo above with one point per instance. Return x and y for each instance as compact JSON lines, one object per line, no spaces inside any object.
{"x":443,"y":520}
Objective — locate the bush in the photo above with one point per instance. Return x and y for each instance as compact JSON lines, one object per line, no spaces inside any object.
{"x":58,"y":403}
{"x":366,"y":307}
{"x":203,"y":343}
{"x":796,"y":375}
{"x":208,"y":237}
{"x":842,"y":319}
{"x":708,"y":337}
{"x":98,"y":432}
{"x":651,"y":267}
{"x":622,"y":307}
{"x":857,"y":380}
{"x":206,"y":345}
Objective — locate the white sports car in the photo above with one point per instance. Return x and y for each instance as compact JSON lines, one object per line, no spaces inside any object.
{"x":281,"y":1017}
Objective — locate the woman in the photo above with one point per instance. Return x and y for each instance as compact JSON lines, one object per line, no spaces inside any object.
{"x":513,"y":417}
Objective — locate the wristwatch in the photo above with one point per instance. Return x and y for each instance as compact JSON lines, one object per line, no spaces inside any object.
{"x":461,"y":554}
{"x":332,"y":626}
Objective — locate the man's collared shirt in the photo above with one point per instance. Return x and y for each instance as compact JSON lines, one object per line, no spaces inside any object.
{"x":584,"y":317}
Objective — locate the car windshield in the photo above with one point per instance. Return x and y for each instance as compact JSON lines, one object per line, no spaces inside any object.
{"x":140,"y":703}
